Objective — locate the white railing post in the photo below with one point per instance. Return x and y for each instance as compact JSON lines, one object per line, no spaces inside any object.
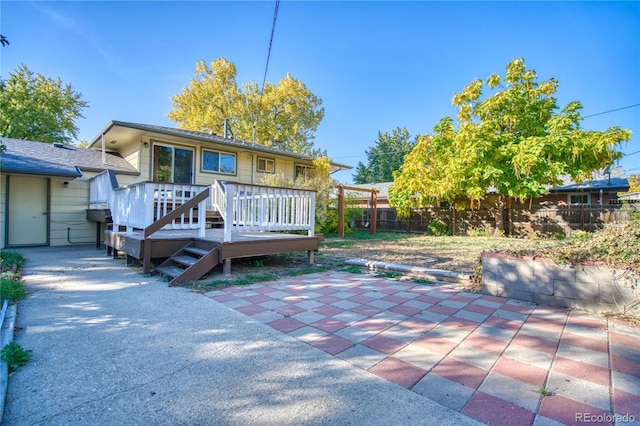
{"x":202,"y":214}
{"x":148,"y":203}
{"x":312,"y":215}
{"x":229,"y":220}
{"x":101,"y":188}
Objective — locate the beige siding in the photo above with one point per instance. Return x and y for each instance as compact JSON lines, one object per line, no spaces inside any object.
{"x":133,"y":154}
{"x":67,"y":212}
{"x":128,"y":179}
{"x":144,"y":160}
{"x":67,"y":209}
{"x":246,"y":162}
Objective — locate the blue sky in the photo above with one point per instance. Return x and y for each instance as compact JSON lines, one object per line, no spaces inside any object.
{"x":376,"y":65}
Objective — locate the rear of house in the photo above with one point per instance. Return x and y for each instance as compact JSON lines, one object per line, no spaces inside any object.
{"x":45,"y":187}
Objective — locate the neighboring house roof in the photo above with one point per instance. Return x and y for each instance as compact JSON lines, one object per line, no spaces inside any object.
{"x":382,"y":187}
{"x":39,"y":158}
{"x":117,"y":129}
{"x":629,"y":196}
{"x":614,"y":180}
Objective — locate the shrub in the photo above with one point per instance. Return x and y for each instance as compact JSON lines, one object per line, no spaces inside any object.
{"x":616,"y":246}
{"x":15,"y":356}
{"x":11,"y":289}
{"x":8,"y":258}
{"x":437,"y":228}
{"x":479,"y":232}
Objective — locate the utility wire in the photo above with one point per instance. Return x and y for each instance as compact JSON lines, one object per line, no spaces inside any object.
{"x":586,"y":116}
{"x":266,"y":67}
{"x":613,"y":110}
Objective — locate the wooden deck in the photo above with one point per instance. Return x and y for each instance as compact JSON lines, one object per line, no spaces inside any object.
{"x":166,"y":243}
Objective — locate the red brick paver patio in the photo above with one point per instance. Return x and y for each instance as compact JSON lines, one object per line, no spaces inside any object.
{"x":491,"y":358}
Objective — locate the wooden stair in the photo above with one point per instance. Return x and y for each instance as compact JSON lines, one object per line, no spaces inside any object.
{"x":190,"y":263}
{"x":214,"y":219}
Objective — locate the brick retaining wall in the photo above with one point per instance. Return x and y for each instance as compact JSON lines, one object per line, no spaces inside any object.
{"x":587,"y":287}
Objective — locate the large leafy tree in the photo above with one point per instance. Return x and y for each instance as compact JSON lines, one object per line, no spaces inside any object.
{"x":511,"y":135}
{"x":285,"y":115}
{"x":634,"y":182}
{"x":385,"y":157}
{"x":38,"y":108}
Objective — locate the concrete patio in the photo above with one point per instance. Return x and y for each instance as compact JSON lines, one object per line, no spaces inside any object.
{"x":497,"y":360}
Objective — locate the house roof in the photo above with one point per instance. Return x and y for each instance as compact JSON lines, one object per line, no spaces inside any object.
{"x":382,"y":187}
{"x":39,"y":158}
{"x":614,"y":180}
{"x":116,"y":130}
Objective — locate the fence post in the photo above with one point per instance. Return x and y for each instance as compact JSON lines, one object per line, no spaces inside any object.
{"x":340,"y":211}
{"x":374,"y":212}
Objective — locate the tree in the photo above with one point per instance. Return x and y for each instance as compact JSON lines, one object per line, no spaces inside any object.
{"x":514,"y":139}
{"x":285,"y":115}
{"x":385,"y":157}
{"x":634,"y":182}
{"x":38,"y":108}
{"x":320,"y":181}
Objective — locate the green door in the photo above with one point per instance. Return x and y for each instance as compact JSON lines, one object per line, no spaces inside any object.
{"x":28,"y":211}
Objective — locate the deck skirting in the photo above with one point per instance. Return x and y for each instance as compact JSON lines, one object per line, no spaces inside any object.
{"x":165,"y":243}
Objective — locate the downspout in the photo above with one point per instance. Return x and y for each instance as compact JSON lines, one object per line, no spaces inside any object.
{"x":253,"y":158}
{"x":104,"y":158}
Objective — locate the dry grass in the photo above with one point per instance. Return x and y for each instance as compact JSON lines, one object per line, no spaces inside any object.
{"x":457,"y":254}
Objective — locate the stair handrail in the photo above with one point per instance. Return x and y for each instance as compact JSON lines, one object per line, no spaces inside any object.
{"x":218,"y":198}
{"x":199,"y":200}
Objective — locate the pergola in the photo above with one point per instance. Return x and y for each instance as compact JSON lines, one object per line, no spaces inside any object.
{"x":373,"y":208}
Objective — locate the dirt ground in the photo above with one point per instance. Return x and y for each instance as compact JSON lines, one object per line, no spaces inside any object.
{"x":457,"y":254}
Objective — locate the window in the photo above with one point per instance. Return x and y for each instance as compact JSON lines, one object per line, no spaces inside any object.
{"x":303,"y":171}
{"x":218,"y":162}
{"x":266,"y":165}
{"x":172,"y":164}
{"x":579,"y":199}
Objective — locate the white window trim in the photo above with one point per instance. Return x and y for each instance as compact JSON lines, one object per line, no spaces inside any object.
{"x":173,"y":158}
{"x":219,"y":172}
{"x":308,"y":167}
{"x":266,"y":160}
{"x":588,"y":202}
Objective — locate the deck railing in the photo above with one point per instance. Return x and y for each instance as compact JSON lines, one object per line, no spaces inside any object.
{"x":141,"y":204}
{"x":263,"y":208}
{"x":242,"y":207}
{"x":101,"y":189}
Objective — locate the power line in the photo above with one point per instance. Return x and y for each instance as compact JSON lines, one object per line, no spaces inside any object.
{"x":586,"y":116}
{"x":613,"y":110}
{"x":266,"y":67}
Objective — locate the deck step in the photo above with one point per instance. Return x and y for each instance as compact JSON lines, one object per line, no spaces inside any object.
{"x":189,"y":263}
{"x":184,"y":260}
{"x":197,"y":251}
{"x":172,"y":271}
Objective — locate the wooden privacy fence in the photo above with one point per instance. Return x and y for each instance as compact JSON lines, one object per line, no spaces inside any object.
{"x":517,"y":221}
